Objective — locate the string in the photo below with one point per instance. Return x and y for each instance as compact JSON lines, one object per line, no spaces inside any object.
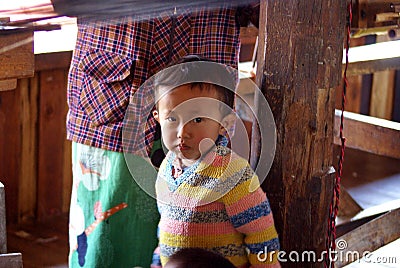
{"x":334,"y":206}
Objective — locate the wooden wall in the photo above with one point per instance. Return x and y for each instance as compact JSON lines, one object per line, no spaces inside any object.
{"x":35,"y":164}
{"x":373,"y":93}
{"x":34,"y":153}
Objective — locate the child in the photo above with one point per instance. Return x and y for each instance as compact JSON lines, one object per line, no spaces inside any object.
{"x":207,"y":195}
{"x":197,"y":258}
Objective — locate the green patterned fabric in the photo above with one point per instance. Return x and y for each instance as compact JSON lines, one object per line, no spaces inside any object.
{"x":113,"y":222}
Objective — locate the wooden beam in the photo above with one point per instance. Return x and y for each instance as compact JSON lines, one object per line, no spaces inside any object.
{"x":16,"y":55}
{"x":370,"y":134}
{"x":370,"y":236}
{"x":382,"y":91}
{"x":27,"y":191}
{"x":381,"y":56}
{"x":373,"y":66}
{"x":10,"y":149}
{"x":378,"y":209}
{"x":54,"y":60}
{"x":298,"y":69}
{"x":364,"y":216}
{"x":343,"y":228}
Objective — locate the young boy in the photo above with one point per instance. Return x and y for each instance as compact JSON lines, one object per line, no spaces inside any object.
{"x":207,"y":195}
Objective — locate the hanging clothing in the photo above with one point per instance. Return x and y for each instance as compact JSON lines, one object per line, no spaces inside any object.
{"x":113,"y":222}
{"x":112,"y":59}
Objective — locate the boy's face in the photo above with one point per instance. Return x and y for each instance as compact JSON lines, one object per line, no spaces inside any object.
{"x":190,"y":121}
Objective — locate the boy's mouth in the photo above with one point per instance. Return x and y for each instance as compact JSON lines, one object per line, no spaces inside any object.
{"x":183,"y":147}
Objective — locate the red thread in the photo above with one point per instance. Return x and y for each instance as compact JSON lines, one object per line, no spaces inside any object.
{"x":334,"y":206}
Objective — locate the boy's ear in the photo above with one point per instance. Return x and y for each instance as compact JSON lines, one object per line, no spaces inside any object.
{"x":228,"y":125}
{"x":155,"y":115}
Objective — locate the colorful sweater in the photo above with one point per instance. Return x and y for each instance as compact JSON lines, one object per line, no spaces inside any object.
{"x":216,"y":204}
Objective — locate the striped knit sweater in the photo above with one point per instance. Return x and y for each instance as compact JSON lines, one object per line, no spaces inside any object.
{"x":216,"y":204}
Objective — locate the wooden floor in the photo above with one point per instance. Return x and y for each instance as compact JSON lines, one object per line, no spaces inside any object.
{"x":371,"y":180}
{"x":42,"y":244}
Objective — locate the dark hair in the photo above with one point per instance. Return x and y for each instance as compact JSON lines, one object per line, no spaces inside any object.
{"x":199,"y":258}
{"x":204,"y":76}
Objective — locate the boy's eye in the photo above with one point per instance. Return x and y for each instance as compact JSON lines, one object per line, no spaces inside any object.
{"x":170,"y":119}
{"x":197,"y":120}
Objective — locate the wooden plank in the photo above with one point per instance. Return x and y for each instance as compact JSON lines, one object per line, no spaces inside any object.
{"x":371,"y":58}
{"x":16,"y":55}
{"x":3,"y":227}
{"x":370,"y":236}
{"x":343,"y":227}
{"x":11,"y":260}
{"x":348,"y":207}
{"x":298,"y":68}
{"x":138,"y":9}
{"x":51,"y":61}
{"x":373,"y":66}
{"x":382,"y":91}
{"x":8,"y":84}
{"x":52,"y":134}
{"x":359,"y":20}
{"x":10,"y":149}
{"x":27,"y":191}
{"x":364,"y":216}
{"x":353,"y":97}
{"x":369,"y":134}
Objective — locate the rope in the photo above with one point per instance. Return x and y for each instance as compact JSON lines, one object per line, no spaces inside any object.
{"x":334,"y":206}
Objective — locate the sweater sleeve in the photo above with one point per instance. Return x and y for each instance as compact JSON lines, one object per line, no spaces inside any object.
{"x":250,"y":213}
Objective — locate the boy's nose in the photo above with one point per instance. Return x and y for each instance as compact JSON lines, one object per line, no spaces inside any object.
{"x":183,"y":131}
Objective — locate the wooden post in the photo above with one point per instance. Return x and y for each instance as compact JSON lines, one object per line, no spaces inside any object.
{"x":3,"y":229}
{"x":299,"y":67}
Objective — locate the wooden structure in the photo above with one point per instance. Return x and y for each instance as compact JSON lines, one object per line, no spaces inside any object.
{"x":16,"y":61}
{"x":16,"y":58}
{"x":39,"y":182}
{"x":299,"y":66}
{"x":299,"y":71}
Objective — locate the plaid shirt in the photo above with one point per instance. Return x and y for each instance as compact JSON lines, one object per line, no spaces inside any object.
{"x":112,"y":60}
